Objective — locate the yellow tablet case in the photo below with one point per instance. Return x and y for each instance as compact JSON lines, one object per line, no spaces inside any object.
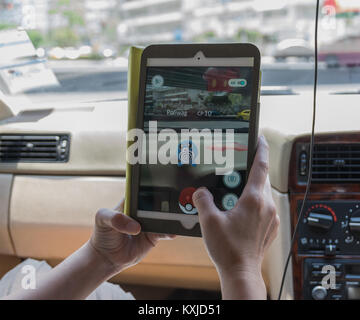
{"x":133,"y":97}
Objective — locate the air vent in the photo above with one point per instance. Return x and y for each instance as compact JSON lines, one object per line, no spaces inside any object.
{"x":332,"y":163}
{"x":336,"y":163}
{"x":34,"y":148}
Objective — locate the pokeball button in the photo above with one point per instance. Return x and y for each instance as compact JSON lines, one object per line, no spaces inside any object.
{"x":185,"y":201}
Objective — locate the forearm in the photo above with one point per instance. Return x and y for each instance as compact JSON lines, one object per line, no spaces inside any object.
{"x":242,"y":286}
{"x":75,"y":278}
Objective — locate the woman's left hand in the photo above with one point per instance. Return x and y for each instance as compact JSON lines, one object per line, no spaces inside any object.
{"x":119,"y":240}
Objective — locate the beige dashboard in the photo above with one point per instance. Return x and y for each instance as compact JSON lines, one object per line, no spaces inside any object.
{"x":47,"y":210}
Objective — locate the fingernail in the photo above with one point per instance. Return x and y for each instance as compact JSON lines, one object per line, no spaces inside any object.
{"x":198,"y":190}
{"x":133,"y":227}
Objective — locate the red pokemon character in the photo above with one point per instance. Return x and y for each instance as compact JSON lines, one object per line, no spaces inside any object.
{"x":218,"y":79}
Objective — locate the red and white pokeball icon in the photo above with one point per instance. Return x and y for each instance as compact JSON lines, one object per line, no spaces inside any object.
{"x":185,"y":201}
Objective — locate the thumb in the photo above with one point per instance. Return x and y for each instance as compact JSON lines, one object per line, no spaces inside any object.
{"x":204,"y":203}
{"x":117,"y":221}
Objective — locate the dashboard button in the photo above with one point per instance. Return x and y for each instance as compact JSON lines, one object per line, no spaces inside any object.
{"x":304,"y":242}
{"x":349,"y":239}
{"x":317,"y":266}
{"x":319,"y":293}
{"x":337,"y":266}
{"x":316,"y":274}
{"x":330,"y":250}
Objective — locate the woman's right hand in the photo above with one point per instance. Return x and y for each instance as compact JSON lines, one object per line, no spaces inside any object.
{"x":237,"y":239}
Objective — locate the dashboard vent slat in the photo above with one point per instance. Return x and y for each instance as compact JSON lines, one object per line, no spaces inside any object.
{"x":336,"y":163}
{"x":34,"y":148}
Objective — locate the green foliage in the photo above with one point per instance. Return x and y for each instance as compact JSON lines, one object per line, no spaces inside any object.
{"x":67,"y":36}
{"x":64,"y":37}
{"x":6,"y":26}
{"x":36,"y":38}
{"x":73,"y":18}
{"x":249,"y":35}
{"x":205,"y":36}
{"x":236,"y":99}
{"x":64,"y":2}
{"x":93,"y":56}
{"x":69,"y":11}
{"x":209,"y":34}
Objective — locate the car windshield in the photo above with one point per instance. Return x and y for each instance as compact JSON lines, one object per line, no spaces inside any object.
{"x":81,"y":47}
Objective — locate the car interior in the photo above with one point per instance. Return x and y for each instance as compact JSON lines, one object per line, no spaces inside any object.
{"x":48,"y":199}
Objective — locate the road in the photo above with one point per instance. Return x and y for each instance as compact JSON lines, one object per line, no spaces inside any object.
{"x":116,"y":80}
{"x":98,"y":82}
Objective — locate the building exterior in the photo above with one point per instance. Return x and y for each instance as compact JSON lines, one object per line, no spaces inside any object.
{"x":146,"y":21}
{"x":156,"y":21}
{"x":119,"y":23}
{"x":28,"y":14}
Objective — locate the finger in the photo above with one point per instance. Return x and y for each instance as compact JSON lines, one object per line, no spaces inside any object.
{"x":168,"y":236}
{"x":120,"y":205}
{"x":204,"y":201}
{"x":117,"y":221}
{"x":153,"y":238}
{"x":260,"y":167}
{"x":162,"y":236}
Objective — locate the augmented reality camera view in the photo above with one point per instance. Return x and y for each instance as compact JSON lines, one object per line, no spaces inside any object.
{"x":202,"y":98}
{"x":198,"y":93}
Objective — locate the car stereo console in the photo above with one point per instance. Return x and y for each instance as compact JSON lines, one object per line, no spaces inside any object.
{"x":330,"y":229}
{"x":326,"y":258}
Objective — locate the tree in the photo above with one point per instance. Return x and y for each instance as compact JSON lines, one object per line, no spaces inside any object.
{"x":72,"y":13}
{"x":36,"y":37}
{"x":6,"y":26}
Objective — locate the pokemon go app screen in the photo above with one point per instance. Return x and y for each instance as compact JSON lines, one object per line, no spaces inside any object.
{"x":178,"y":98}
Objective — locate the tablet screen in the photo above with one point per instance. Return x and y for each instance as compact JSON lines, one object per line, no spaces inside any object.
{"x":209,"y":99}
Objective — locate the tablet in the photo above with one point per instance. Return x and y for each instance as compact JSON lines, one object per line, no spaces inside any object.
{"x":196,"y":124}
